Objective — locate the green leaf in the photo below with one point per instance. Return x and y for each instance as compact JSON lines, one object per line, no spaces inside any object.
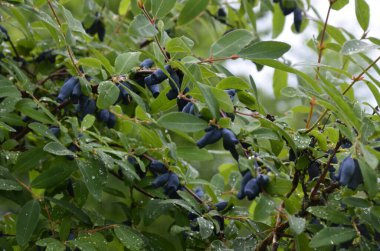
{"x":27,"y":222}
{"x":182,"y":122}
{"x":330,"y":236}
{"x":362,"y":13}
{"x":123,"y":7}
{"x":126,"y":61}
{"x":141,"y":27}
{"x":356,"y":46}
{"x":233,"y":83}
{"x":131,"y":239}
{"x":264,"y":49}
{"x":9,"y":185}
{"x":177,"y":45}
{"x":160,"y":8}
{"x":91,"y":62}
{"x":191,"y":153}
{"x":73,"y":23}
{"x":57,"y":173}
{"x":71,"y":208}
{"x":369,"y":177}
{"x":57,"y":148}
{"x":51,"y":244}
{"x":30,"y":159}
{"x":191,"y":10}
{"x":87,"y":122}
{"x":8,"y":89}
{"x":231,"y":43}
{"x":278,"y":21}
{"x":296,"y":224}
{"x":280,"y":81}
{"x":94,"y":175}
{"x":210,"y":99}
{"x":206,"y":228}
{"x":108,"y":94}
{"x":339,"y":4}
{"x":329,"y":213}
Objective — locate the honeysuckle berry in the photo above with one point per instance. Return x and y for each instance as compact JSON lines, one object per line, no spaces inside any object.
{"x":156,"y":166}
{"x":287,"y":6}
{"x":155,"y":90}
{"x":76,"y":94}
{"x":263,"y":179}
{"x":246,"y":177}
{"x":349,"y":173}
{"x":87,"y":105}
{"x":252,"y":189}
{"x":220,"y":206}
{"x":147,"y":63}
{"x":55,"y":130}
{"x":229,"y":142}
{"x":161,"y":180}
{"x":297,"y":19}
{"x":172,"y":185}
{"x":67,"y":88}
{"x":314,"y":170}
{"x":213,"y":134}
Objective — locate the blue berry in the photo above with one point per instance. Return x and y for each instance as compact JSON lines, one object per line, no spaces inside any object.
{"x":252,"y":189}
{"x":147,"y":63}
{"x":67,"y":88}
{"x":213,"y":134}
{"x":297,"y":19}
{"x":220,"y":206}
{"x":161,"y":180}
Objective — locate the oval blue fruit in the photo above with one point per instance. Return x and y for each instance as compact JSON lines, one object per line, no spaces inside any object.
{"x":252,"y":189}
{"x":157,"y":167}
{"x":172,"y":185}
{"x":297,"y":19}
{"x":212,"y":135}
{"x":67,"y":89}
{"x":220,"y":206}
{"x":347,"y":170}
{"x":161,"y":180}
{"x":147,"y":63}
{"x":246,"y":177}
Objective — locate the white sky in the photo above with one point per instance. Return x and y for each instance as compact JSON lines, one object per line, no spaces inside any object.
{"x":344,"y":18}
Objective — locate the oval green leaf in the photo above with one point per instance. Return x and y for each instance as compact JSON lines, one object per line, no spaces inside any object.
{"x":264,"y":49}
{"x":27,"y":222}
{"x":191,"y":10}
{"x":231,"y":43}
{"x":108,"y":94}
{"x":182,"y":122}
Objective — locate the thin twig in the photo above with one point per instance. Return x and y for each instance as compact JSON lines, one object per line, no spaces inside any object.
{"x":68,"y":48}
{"x":355,"y":80}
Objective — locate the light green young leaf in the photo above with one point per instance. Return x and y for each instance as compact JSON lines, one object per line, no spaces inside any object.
{"x":278,"y":21}
{"x":123,"y":7}
{"x":280,"y":81}
{"x":339,"y":4}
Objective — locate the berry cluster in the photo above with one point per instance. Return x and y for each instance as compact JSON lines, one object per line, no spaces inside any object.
{"x":164,"y":178}
{"x":252,"y":186}
{"x":213,"y":134}
{"x":288,"y":7}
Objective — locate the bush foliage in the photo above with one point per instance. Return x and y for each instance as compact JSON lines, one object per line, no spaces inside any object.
{"x":122,"y":129}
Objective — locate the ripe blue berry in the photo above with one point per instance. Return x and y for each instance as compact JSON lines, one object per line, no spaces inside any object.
{"x":157,"y":167}
{"x":314,"y":170}
{"x":252,"y":189}
{"x":229,"y":142}
{"x":77,"y":92}
{"x":297,"y":19}
{"x":67,"y":89}
{"x":247,"y":177}
{"x":161,"y":180}
{"x":346,"y":170}
{"x":172,"y":185}
{"x":213,"y":134}
{"x":220,"y":206}
{"x":147,"y":63}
